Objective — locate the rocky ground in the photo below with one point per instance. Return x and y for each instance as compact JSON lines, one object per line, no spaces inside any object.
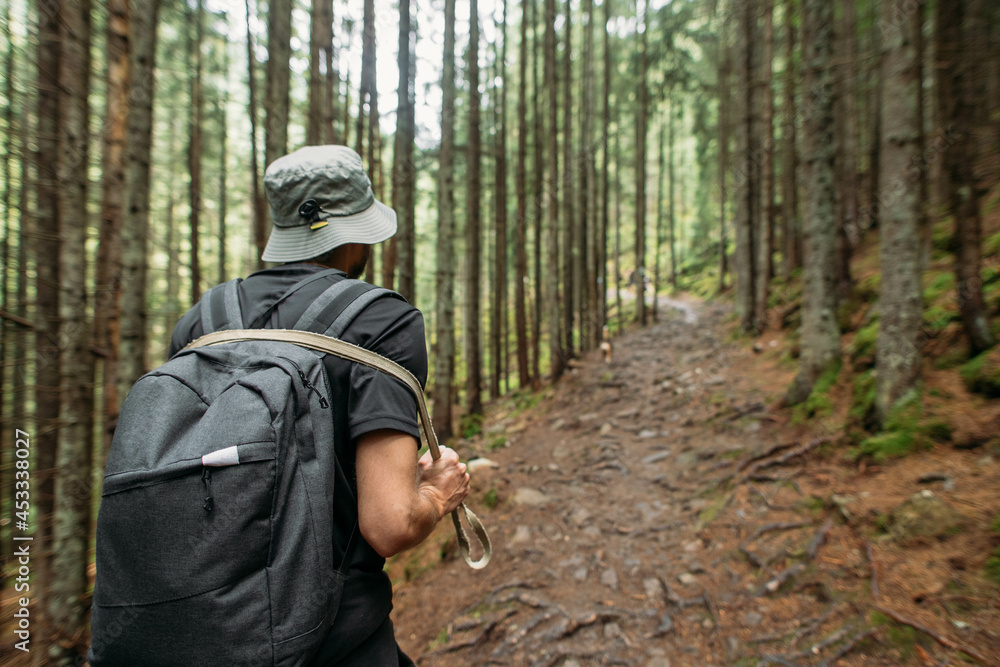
{"x":654,"y":511}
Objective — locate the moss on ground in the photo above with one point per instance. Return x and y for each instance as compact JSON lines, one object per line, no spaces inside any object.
{"x":938,"y":286}
{"x":863,"y":345}
{"x":902,"y":434}
{"x":982,"y":373}
{"x":818,"y":403}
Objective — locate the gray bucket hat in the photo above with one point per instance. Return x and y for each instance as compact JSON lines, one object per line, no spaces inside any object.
{"x":321,"y":198}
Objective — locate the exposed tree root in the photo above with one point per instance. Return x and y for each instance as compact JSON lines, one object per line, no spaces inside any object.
{"x":852,"y":644}
{"x":780,"y":579}
{"x":753,"y":458}
{"x":936,"y":636}
{"x":773,"y":527}
{"x":819,"y":538}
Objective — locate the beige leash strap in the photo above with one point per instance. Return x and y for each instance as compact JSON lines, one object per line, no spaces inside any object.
{"x":339,"y":348}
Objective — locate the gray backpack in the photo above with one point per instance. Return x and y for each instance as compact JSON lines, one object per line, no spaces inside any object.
{"x":214,"y":536}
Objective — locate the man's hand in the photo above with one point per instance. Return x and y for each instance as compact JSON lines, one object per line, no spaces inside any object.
{"x":400,"y":500}
{"x":444,"y":482}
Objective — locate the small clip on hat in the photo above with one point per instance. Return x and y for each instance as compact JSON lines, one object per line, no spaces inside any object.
{"x":310,"y":210}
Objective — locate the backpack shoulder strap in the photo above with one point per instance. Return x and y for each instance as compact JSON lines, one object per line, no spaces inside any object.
{"x":220,"y":307}
{"x":263,"y":317}
{"x":334,"y":310}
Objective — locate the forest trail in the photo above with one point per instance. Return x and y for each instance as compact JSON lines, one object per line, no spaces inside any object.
{"x":633,"y":524}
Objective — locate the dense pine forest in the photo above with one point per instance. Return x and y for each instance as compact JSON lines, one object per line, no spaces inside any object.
{"x":830,"y":169}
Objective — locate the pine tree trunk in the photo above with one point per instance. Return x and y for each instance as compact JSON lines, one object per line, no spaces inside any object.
{"x":366,"y":87}
{"x":789,"y":182}
{"x":848,"y":43}
{"x":521,"y":211}
{"x":658,"y":233}
{"x":258,"y":205}
{"x":765,"y":235}
{"x":276,"y":84}
{"x":320,"y":116}
{"x":223,"y":168}
{"x":897,"y":355}
{"x":195,"y":120}
{"x":602,"y":241}
{"x":47,"y":321}
{"x":619,"y":305}
{"x":589,"y":327}
{"x":957,"y":102}
{"x":444,"y":310}
{"x":473,"y":228}
{"x":747,"y":183}
{"x":670,"y":199}
{"x":8,"y":331}
{"x":70,"y":537}
{"x":571,"y":226}
{"x":107,"y":294}
{"x":820,"y":332}
{"x":498,"y":318}
{"x":403,"y":181}
{"x":539,"y":157}
{"x":724,"y":66}
{"x":173,"y":309}
{"x":640,"y":175}
{"x":557,"y":360}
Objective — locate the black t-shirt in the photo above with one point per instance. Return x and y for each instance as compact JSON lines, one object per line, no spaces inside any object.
{"x":364,"y":400}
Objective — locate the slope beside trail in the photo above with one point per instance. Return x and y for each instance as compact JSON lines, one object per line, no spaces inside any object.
{"x":653,"y":511}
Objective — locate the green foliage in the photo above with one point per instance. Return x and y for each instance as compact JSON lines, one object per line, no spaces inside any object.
{"x":995,"y":525}
{"x":938,"y":286}
{"x":936,"y":318}
{"x":953,"y":358}
{"x":863,"y":401}
{"x":938,"y":430}
{"x":991,"y":244}
{"x":902,"y":433}
{"x":982,"y":373}
{"x":497,"y":441}
{"x":491,"y":498}
{"x":992,"y":569}
{"x":943,"y":237}
{"x":863,"y":345}
{"x":471,"y":426}
{"x":818,"y":403}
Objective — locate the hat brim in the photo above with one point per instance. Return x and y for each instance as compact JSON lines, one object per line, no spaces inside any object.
{"x":375,"y":224}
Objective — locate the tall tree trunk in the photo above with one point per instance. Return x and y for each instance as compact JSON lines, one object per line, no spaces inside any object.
{"x":640,"y":175}
{"x":820,"y":332}
{"x":556,"y":354}
{"x":538,"y":194}
{"x":223,"y":168}
{"x":135,"y":232}
{"x":276,"y":83}
{"x":872,"y":211}
{"x":765,"y":235}
{"x":107,"y":293}
{"x":747,"y":183}
{"x":670,"y":196}
{"x":571,"y":226}
{"x":258,"y":205}
{"x":589,"y":327}
{"x":498,"y":318}
{"x":319,"y":123}
{"x":521,"y":211}
{"x":897,"y":355}
{"x":602,"y":242}
{"x":403,"y":171}
{"x":724,"y":65}
{"x":789,"y":166}
{"x":619,"y":306}
{"x":47,"y":321}
{"x":70,"y":537}
{"x":848,"y":142}
{"x":173,"y":297}
{"x":473,"y":228}
{"x":444,"y":309}
{"x":194,"y":147}
{"x":957,"y":101}
{"x":658,"y":224}
{"x":365,"y":94}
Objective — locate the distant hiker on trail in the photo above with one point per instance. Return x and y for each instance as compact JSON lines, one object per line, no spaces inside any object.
{"x":384,"y":500}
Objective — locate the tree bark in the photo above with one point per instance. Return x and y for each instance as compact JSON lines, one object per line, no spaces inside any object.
{"x":640,"y":175}
{"x":670,"y":197}
{"x":47,"y":315}
{"x":444,"y":310}
{"x":195,"y":120}
{"x":765,"y":236}
{"x":258,"y":205}
{"x":276,"y":83}
{"x":223,"y":167}
{"x":498,"y":317}
{"x":538,"y":195}
{"x":820,"y":332}
{"x":521,"y":211}
{"x":107,"y":293}
{"x":473,"y":228}
{"x":789,"y":183}
{"x":70,"y":537}
{"x":747,"y":176}
{"x":602,"y":241}
{"x":404,"y":172}
{"x":590,"y":328}
{"x":724,"y":66}
{"x":957,"y":102}
{"x":319,"y":125}
{"x":658,"y":233}
{"x":557,"y":360}
{"x":572,"y":300}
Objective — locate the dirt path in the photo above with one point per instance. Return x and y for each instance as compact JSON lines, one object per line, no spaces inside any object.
{"x":622,"y":536}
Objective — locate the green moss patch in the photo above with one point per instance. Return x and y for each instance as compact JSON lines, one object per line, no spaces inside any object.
{"x":818,"y":403}
{"x":938,"y":286}
{"x":982,"y":373}
{"x":903,"y":432}
{"x":993,"y":568}
{"x":863,"y":345}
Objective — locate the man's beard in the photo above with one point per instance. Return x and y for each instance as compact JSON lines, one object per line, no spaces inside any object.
{"x":358,"y":269}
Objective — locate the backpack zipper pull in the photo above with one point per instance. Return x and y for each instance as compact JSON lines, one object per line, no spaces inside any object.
{"x":308,"y":385}
{"x":206,"y":478}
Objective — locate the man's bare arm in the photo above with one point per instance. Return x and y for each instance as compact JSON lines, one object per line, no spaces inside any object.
{"x":400,"y":499}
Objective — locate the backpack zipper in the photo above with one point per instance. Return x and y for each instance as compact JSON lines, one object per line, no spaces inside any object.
{"x":308,"y":385}
{"x":206,"y":478}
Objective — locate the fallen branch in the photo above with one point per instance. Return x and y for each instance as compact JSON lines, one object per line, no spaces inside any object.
{"x":819,"y":538}
{"x":801,"y":450}
{"x":782,"y":577}
{"x":475,"y":641}
{"x":939,"y":638}
{"x":847,"y":648}
{"x":763,"y":455}
{"x":751,"y":556}
{"x":772,"y":527}
{"x":529,"y":625}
